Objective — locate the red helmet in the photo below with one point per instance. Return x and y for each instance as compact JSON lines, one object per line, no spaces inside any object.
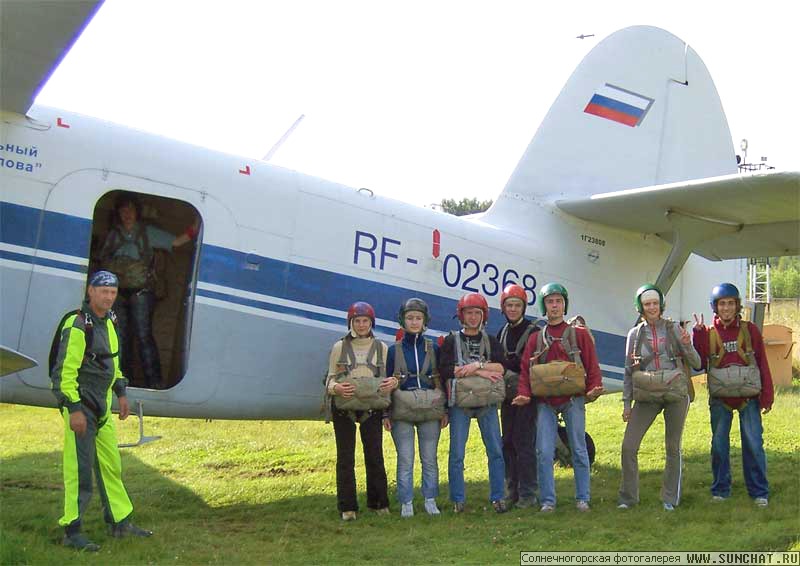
{"x":472,"y":300}
{"x":360,"y":308}
{"x":513,"y":291}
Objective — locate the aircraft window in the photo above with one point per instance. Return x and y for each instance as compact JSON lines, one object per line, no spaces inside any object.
{"x":152,"y":243}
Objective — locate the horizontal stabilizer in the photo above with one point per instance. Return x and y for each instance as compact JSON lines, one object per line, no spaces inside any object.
{"x":12,"y":361}
{"x":754,"y":215}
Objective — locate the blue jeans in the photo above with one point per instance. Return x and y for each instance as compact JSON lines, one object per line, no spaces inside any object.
{"x":403,"y":435}
{"x":546,"y":430}
{"x":490,"y":433}
{"x":754,"y":460}
{"x":134,"y":312}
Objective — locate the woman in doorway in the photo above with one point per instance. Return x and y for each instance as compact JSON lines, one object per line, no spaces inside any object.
{"x":128,"y":253}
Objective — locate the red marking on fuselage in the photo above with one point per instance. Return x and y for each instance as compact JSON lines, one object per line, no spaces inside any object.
{"x":60,"y":123}
{"x":436,"y":243}
{"x":245,"y":171}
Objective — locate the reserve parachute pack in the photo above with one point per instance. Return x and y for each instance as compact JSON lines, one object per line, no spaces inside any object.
{"x":474,"y":391}
{"x":734,"y":380}
{"x":511,"y":378}
{"x":418,"y":405}
{"x":661,"y":385}
{"x":558,"y":378}
{"x":366,"y":377}
{"x":88,"y":334}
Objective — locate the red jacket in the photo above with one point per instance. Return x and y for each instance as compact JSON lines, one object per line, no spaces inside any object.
{"x":556,"y":352}
{"x":730,"y":333}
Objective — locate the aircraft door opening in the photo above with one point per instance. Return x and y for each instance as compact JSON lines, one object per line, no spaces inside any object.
{"x":152,"y":244}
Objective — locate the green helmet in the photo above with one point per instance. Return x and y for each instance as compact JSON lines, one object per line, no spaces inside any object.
{"x":553,"y":289}
{"x":648,"y":287}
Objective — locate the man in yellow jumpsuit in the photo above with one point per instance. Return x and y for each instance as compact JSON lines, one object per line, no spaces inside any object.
{"x":85,"y":371}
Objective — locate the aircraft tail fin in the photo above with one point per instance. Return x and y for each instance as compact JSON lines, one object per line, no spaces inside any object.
{"x":640,"y":110}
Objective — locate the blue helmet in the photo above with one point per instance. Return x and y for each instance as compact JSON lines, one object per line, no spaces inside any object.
{"x":724,"y":291}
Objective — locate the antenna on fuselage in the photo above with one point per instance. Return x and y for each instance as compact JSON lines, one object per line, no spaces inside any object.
{"x":283,"y":138}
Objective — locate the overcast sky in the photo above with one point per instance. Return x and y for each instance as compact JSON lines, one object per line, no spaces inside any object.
{"x":415,"y":100}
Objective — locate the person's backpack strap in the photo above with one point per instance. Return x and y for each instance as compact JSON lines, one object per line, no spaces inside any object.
{"x":430,"y":357}
{"x":746,"y":342}
{"x":503,"y":336}
{"x":485,"y":351}
{"x":523,"y":340}
{"x":637,"y":347}
{"x":347,"y":357}
{"x":459,"y":350}
{"x":574,"y":353}
{"x":376,"y":351}
{"x":542,"y":346}
{"x":400,"y":366}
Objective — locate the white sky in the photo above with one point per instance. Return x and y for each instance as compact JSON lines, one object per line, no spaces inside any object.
{"x":417,"y":100}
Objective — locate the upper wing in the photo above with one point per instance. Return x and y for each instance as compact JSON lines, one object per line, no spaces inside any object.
{"x":34,"y":37}
{"x":757,"y":215}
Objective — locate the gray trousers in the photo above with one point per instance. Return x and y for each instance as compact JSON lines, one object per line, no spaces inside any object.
{"x":642,"y":416}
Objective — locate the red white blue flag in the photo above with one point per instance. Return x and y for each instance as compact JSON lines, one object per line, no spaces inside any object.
{"x":619,"y":105}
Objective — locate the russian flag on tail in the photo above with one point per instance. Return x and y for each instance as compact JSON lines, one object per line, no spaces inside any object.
{"x":619,"y":105}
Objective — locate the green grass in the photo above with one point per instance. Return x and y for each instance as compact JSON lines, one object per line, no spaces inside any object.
{"x":264,"y":492}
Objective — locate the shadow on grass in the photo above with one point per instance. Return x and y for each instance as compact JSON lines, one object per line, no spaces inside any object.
{"x":305,"y":528}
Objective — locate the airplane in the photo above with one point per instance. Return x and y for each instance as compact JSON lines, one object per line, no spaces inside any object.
{"x":630,"y":178}
{"x":584,"y":36}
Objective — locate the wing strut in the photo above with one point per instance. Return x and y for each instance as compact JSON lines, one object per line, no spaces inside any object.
{"x":689,"y":230}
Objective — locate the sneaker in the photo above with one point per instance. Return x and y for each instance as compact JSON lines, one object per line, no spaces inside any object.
{"x":718,"y":498}
{"x":499,"y":506}
{"x":80,"y":542}
{"x":458,"y":507}
{"x":669,"y":507}
{"x":547,"y":508}
{"x":623,"y":506}
{"x":348,"y":515}
{"x":431,"y":508}
{"x":407,"y":510}
{"x":526,"y":503}
{"x":761,"y":501}
{"x":582,"y":506}
{"x":128,"y":529}
{"x":383,"y":511}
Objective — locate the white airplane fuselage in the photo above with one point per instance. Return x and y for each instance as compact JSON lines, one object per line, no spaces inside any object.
{"x":281,"y":257}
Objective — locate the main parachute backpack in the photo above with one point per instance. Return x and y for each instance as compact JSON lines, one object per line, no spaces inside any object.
{"x":88,"y":335}
{"x":734,"y":380}
{"x":418,"y":405}
{"x":662,"y":385}
{"x":558,"y":378}
{"x":474,"y":391}
{"x":366,"y":377}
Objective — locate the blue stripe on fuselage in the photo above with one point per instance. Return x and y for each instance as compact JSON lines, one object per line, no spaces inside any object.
{"x":70,"y":235}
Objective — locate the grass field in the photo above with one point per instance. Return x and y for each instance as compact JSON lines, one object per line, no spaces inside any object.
{"x":264,"y":492}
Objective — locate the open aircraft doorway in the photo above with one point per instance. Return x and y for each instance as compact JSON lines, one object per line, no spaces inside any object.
{"x":156,"y":296}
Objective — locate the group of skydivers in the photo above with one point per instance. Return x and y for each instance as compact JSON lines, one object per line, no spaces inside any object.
{"x":534,"y":374}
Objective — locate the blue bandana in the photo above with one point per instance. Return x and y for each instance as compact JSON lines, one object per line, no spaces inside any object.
{"x":104,"y":279}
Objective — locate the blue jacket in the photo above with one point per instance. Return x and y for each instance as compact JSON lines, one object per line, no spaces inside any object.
{"x":414,"y":363}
